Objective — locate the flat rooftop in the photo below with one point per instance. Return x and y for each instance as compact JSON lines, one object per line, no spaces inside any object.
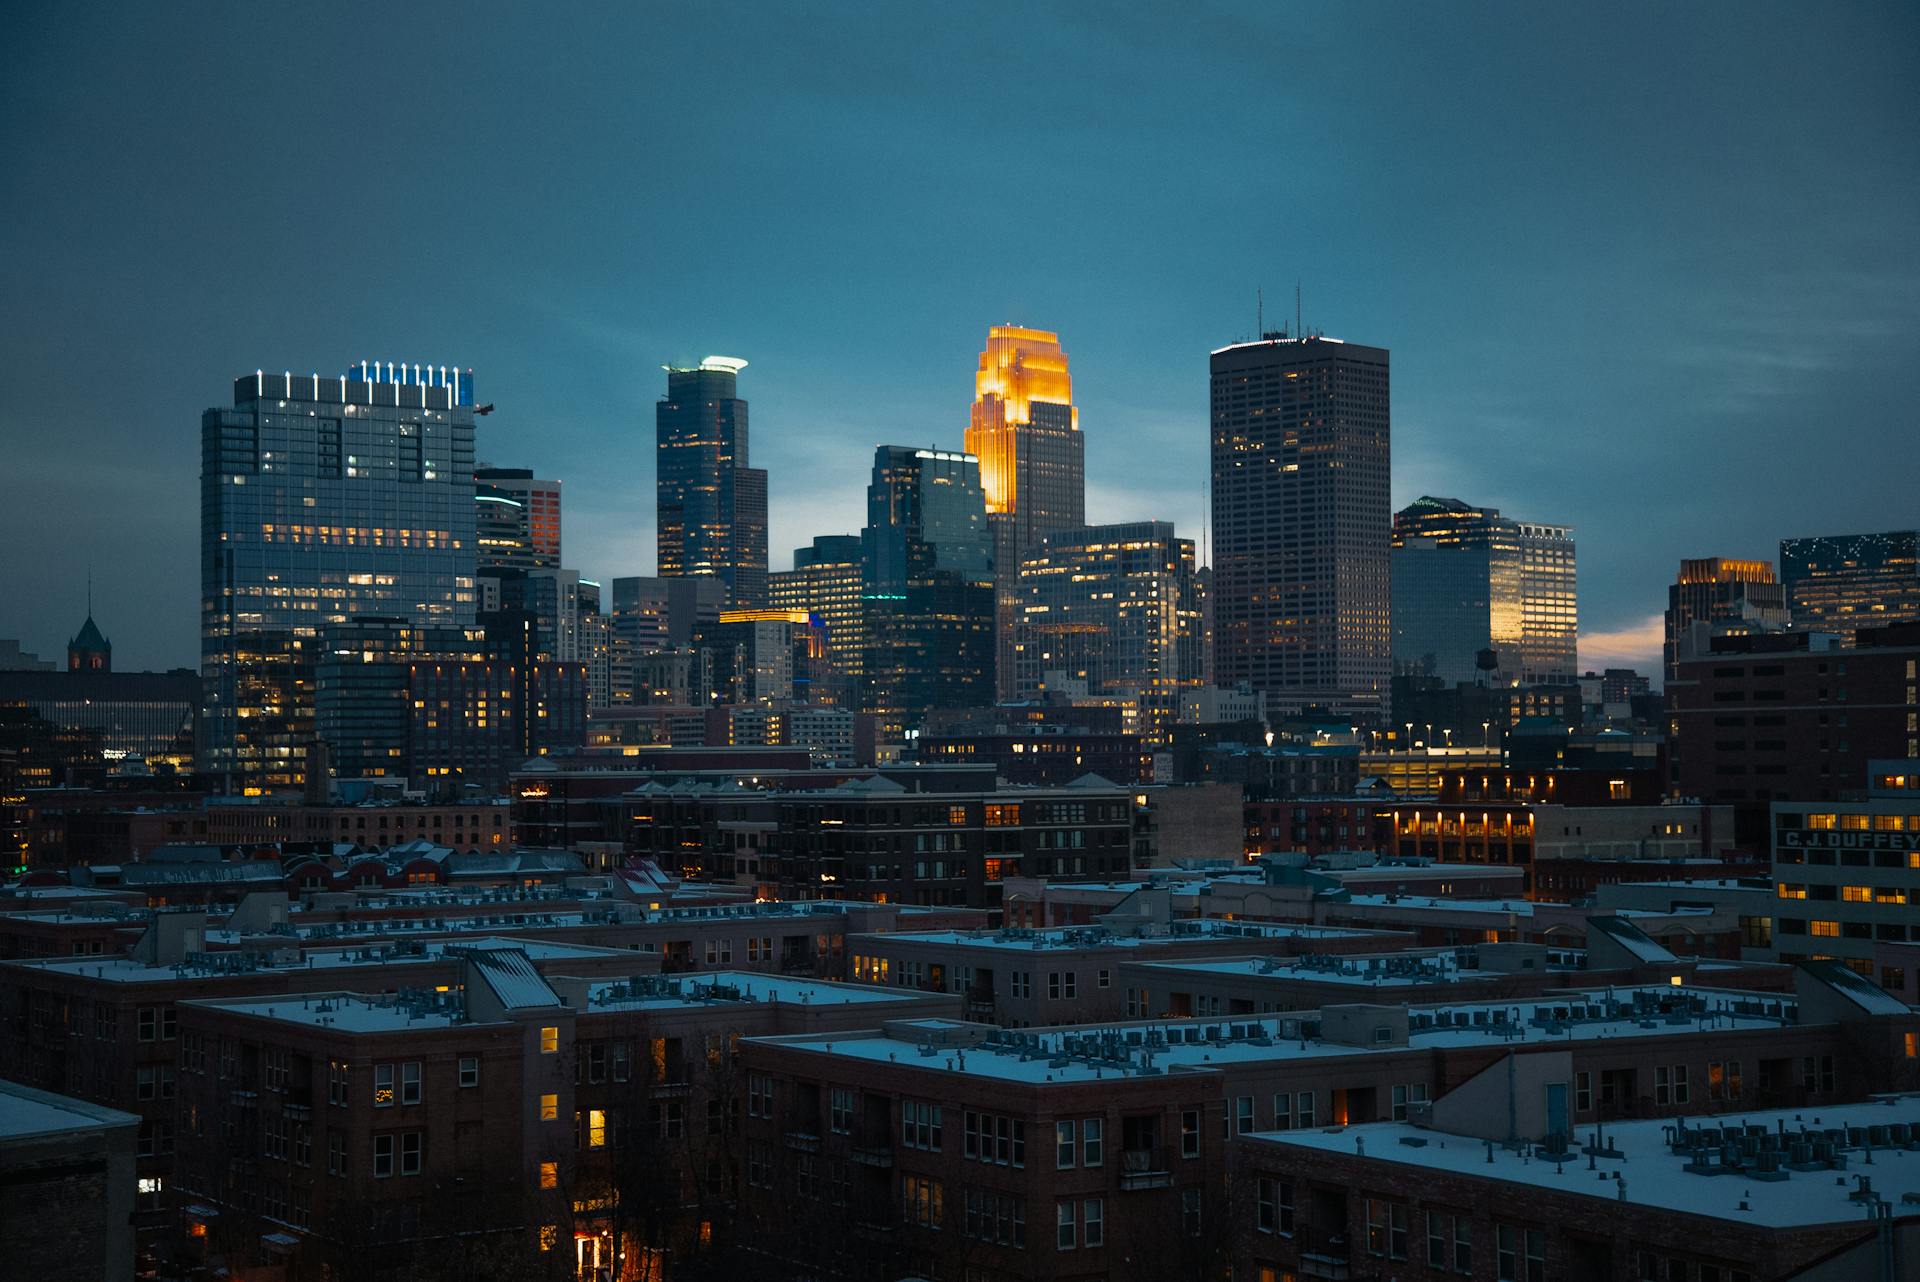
{"x":213,"y":965}
{"x":26,"y":1113}
{"x":1383,"y":973}
{"x":1148,"y":1049}
{"x":354,"y":1012}
{"x":1065,"y":938}
{"x":1643,"y":1168}
{"x":660,"y":992}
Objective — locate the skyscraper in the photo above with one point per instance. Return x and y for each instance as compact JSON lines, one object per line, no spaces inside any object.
{"x":828,"y":581}
{"x":928,"y":597}
{"x":1837,"y":583}
{"x":1466,"y":579}
{"x":516,"y":520}
{"x":1026,"y":433}
{"x":1720,"y":596}
{"x":322,"y":499}
{"x":1113,"y":607}
{"x":712,"y":507}
{"x":1302,"y":521}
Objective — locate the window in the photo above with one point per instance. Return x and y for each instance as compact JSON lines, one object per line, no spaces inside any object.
{"x":921,"y":1201}
{"x":410,"y":1083}
{"x":336,"y":1153}
{"x":759,"y":1166}
{"x":1582,"y":1092}
{"x":549,"y":1175}
{"x":1093,"y":1221}
{"x":1104,"y":979}
{"x":1274,"y":1203}
{"x":149,"y":1020}
{"x":1068,"y":1234}
{"x":719,"y":952}
{"x":995,"y":1217}
{"x":1190,"y":1212}
{"x":1021,"y":982}
{"x":1449,"y":1242}
{"x":1190,"y":1133}
{"x":920,"y":1125}
{"x":549,"y":1108}
{"x":469,"y":1071}
{"x":549,"y":1040}
{"x":383,"y":1086}
{"x":382,"y":1156}
{"x":669,"y":1119}
{"x":148,"y":1191}
{"x":412,"y":1146}
{"x":1303,"y":1110}
{"x":596,"y":1128}
{"x":1283,"y":1112}
{"x":1386,"y":1228}
{"x":1827,"y":929}
{"x":1093,"y":1131}
{"x":840,"y":1110}
{"x":1521,"y":1254}
{"x":1412,"y":1093}
{"x":759,"y":1095}
{"x":1065,"y":1148}
{"x":987,"y":1137}
{"x":549,"y":1236}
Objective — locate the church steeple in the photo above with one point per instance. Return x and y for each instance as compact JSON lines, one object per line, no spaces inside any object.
{"x":89,"y":651}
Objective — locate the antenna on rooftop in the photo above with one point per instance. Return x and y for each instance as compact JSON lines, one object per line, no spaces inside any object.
{"x":1297,"y":332}
{"x":1259,"y":313}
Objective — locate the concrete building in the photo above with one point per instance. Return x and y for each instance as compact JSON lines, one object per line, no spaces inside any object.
{"x":1720,"y":596}
{"x":1847,"y":874}
{"x":1302,"y":522}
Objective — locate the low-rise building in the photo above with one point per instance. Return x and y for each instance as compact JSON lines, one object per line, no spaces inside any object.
{"x":67,"y":1167}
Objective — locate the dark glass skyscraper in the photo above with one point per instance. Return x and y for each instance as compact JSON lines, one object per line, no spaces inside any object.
{"x":1720,"y":596}
{"x":517,"y":520}
{"x":1302,"y":521}
{"x":322,"y":500}
{"x":711,"y":507}
{"x":1840,"y":582}
{"x":928,"y":571}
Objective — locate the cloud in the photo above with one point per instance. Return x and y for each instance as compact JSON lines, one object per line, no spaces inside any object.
{"x":1636,"y":646}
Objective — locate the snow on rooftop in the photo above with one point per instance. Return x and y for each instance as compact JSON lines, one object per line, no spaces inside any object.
{"x":355,"y":1013}
{"x":733,"y":986}
{"x":1651,"y":1173}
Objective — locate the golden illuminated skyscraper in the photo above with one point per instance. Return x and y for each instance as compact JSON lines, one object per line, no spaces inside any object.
{"x":1026,"y":434}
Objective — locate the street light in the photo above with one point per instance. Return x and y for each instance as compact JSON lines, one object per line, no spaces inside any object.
{"x":1483,"y":734}
{"x":1409,"y":743}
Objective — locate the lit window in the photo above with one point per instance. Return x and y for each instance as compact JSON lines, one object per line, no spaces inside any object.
{"x":549,"y":1108}
{"x":549,"y":1175}
{"x":549,"y":1040}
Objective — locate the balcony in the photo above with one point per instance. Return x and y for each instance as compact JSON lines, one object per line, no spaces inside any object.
{"x":1146,"y":1168}
{"x":1314,"y":1264}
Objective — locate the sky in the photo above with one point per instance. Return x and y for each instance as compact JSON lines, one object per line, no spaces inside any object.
{"x":1646,"y":269}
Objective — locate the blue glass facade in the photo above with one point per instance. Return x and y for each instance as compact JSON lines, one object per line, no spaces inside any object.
{"x":322,"y":500}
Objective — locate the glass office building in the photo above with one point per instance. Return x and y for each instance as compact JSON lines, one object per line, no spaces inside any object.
{"x":323,"y":499}
{"x":711,"y":508}
{"x":1837,"y":583}
{"x":1466,"y":580}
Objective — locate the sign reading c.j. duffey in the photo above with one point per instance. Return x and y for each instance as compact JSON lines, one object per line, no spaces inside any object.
{"x":1832,"y":839}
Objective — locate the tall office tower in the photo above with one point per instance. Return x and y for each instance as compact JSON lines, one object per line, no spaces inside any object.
{"x":322,"y":499}
{"x":553,"y":599}
{"x":929,"y":596}
{"x":516,"y":520}
{"x":827,"y":582}
{"x":1466,"y":580}
{"x":712,"y":507}
{"x":1112,"y":609}
{"x":766,"y":657}
{"x":1026,"y":433}
{"x":1719,"y":596}
{"x":1302,"y":522}
{"x":362,"y":696}
{"x":1841,"y":582}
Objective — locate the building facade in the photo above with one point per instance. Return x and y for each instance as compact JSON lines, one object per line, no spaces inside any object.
{"x":322,"y":499}
{"x":1467,"y":580}
{"x":516,"y":520}
{"x":1302,"y":521}
{"x":711,"y":507}
{"x":1025,"y":431}
{"x":1720,"y":596}
{"x":1111,"y":610}
{"x":1837,"y":583}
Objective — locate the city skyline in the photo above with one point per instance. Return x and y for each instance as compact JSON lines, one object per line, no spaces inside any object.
{"x":1671,"y":348}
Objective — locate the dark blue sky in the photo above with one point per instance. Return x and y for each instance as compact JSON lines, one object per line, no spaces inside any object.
{"x":1650,"y":270}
